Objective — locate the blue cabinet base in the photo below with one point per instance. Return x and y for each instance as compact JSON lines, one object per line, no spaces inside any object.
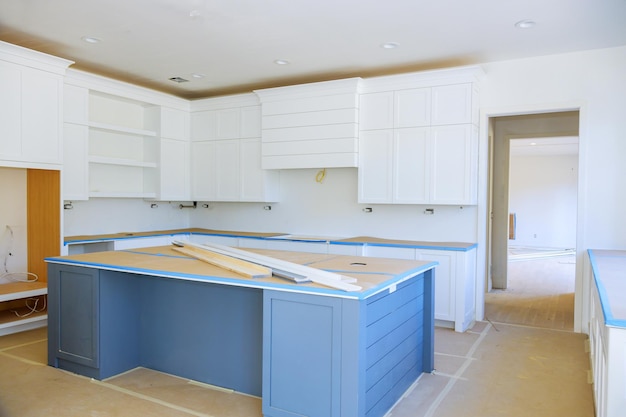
{"x":305,"y":354}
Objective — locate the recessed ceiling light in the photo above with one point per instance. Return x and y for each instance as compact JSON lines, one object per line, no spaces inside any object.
{"x":197,"y":76}
{"x":525,"y":24}
{"x":533,"y":143}
{"x":389,"y":45}
{"x":281,"y":62}
{"x":90,"y":39}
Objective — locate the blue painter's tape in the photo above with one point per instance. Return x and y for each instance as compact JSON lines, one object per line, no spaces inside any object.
{"x":607,"y":311}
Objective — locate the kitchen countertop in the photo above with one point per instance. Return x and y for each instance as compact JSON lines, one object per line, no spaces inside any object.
{"x":359,"y":240}
{"x":372,"y":274}
{"x":609,"y":268}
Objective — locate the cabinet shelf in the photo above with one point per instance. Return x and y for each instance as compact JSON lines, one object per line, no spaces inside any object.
{"x":121,"y":129}
{"x":9,"y":321}
{"x":121,"y":161}
{"x":18,"y":290}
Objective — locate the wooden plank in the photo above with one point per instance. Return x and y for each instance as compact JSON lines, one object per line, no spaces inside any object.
{"x":238,"y":266}
{"x":318,"y":276}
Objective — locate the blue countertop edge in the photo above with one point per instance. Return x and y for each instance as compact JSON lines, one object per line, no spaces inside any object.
{"x":333,"y":242}
{"x":609,"y":320}
{"x":251,"y":283}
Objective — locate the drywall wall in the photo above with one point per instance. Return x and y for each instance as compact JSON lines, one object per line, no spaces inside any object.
{"x":330,"y":209}
{"x":13,"y":252}
{"x":116,"y":215}
{"x":594,"y":82}
{"x":543,"y":195}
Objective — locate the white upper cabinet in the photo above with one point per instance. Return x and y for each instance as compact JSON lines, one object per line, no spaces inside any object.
{"x":310,"y":126}
{"x":30,"y":108}
{"x":418,"y":139}
{"x":394,"y":166}
{"x":123,"y":141}
{"x":453,"y":104}
{"x":453,"y":160}
{"x":171,"y":180}
{"x":75,"y":172}
{"x":226,"y":151}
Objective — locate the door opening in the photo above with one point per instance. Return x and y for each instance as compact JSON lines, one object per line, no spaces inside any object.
{"x":533,"y":199}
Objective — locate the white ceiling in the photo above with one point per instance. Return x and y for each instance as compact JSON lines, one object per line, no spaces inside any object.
{"x":234,"y":43}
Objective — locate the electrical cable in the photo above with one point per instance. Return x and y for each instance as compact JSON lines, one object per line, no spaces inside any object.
{"x":11,"y":276}
{"x":33,"y":309}
{"x":320,"y":176}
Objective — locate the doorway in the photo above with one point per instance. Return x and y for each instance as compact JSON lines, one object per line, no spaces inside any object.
{"x":533,"y":212}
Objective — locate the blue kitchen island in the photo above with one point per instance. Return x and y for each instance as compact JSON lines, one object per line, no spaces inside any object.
{"x":306,"y":349}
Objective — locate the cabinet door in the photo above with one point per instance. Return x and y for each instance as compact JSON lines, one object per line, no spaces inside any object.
{"x":302,"y":355}
{"x":227,"y":165}
{"x":174,"y":170}
{"x":203,"y":171}
{"x":375,"y":166}
{"x":251,"y":122}
{"x":10,"y":111}
{"x":204,"y":125}
{"x":376,"y":111}
{"x":452,"y":104}
{"x":411,"y":166}
{"x":75,"y":166}
{"x":41,"y":117}
{"x":256,"y":184}
{"x":228,"y":123}
{"x":73,"y":294}
{"x":412,"y":107}
{"x":174,"y":124}
{"x":445,"y":281}
{"x":453,"y":165}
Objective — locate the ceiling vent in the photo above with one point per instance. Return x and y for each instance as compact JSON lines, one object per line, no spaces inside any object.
{"x":179,"y":80}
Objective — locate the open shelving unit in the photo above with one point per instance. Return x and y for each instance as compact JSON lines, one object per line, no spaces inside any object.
{"x":123,"y":153}
{"x":13,"y":291}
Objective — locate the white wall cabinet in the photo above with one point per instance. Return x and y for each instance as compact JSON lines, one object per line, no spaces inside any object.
{"x":30,"y":108}
{"x":116,"y":145}
{"x":172,"y":178}
{"x":226,"y":152}
{"x":394,"y":166}
{"x":311,"y":125}
{"x":418,"y":145}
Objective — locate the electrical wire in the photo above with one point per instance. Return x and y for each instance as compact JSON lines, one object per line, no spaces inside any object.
{"x":33,"y":309}
{"x":13,"y":276}
{"x":320,"y":176}
{"x":10,"y":276}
